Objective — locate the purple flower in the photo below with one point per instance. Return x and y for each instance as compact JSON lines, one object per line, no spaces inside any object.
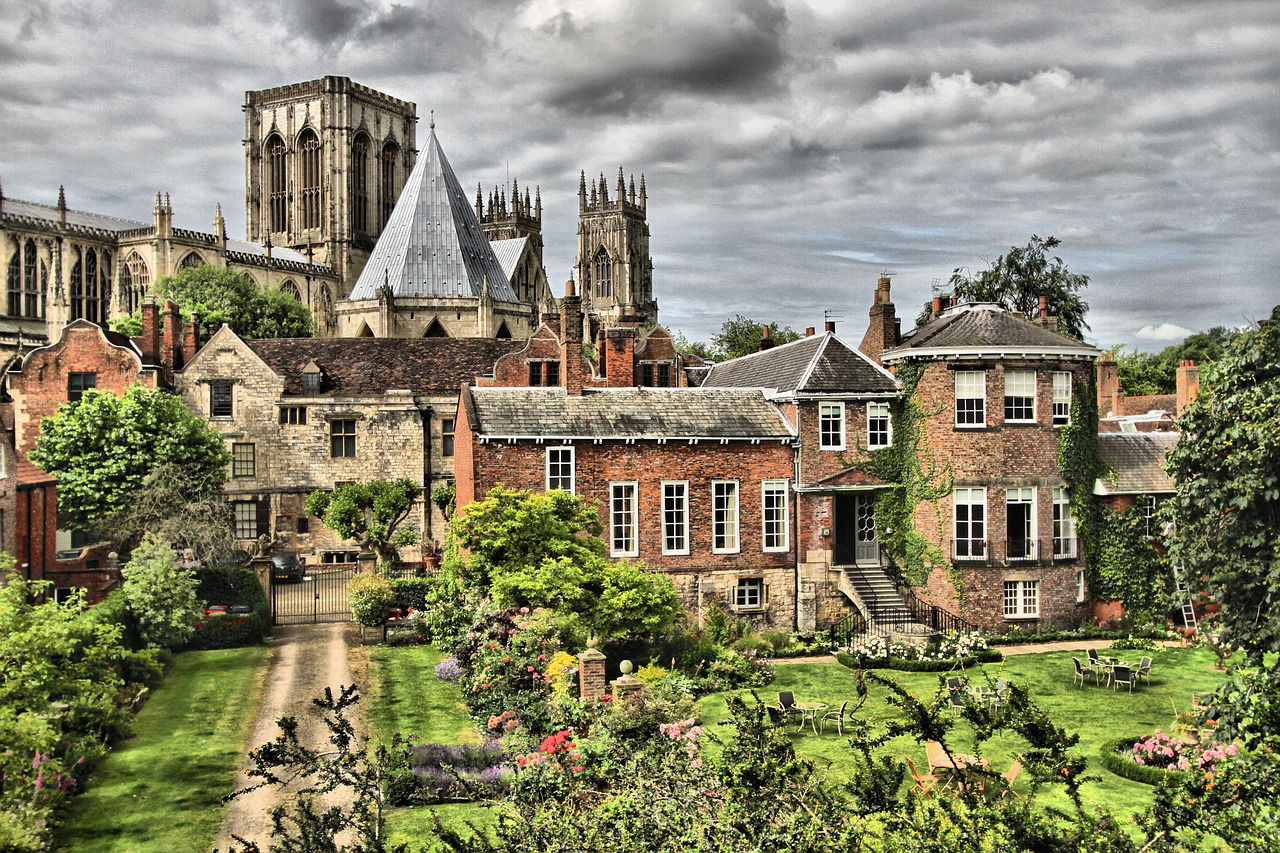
{"x":449,"y":670}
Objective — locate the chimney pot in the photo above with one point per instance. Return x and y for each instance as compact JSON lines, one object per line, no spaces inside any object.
{"x":808,"y":332}
{"x":1044,"y":307}
{"x":829,"y":326}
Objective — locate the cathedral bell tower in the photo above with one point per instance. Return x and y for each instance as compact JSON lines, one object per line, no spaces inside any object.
{"x":613,"y":264}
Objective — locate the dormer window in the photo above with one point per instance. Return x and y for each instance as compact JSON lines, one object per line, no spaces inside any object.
{"x":311,"y":377}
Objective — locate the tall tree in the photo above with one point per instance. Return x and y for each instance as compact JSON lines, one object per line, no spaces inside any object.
{"x":739,"y":336}
{"x":222,"y":295}
{"x":102,"y":447}
{"x":1018,"y":278}
{"x":370,"y":513}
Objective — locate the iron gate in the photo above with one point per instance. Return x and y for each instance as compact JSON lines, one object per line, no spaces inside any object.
{"x":320,"y":595}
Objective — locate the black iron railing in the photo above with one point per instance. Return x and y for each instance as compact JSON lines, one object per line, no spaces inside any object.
{"x":935,"y":618}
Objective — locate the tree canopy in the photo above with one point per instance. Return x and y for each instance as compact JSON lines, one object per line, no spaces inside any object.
{"x":1144,"y":373}
{"x":102,"y":447}
{"x":222,"y":295}
{"x":1017,"y":280}
{"x":370,"y":513}
{"x":738,"y":336}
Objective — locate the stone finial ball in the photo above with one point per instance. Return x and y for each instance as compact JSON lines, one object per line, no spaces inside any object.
{"x":626,"y":667}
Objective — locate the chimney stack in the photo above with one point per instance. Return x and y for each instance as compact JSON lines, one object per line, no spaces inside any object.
{"x":1042,"y":317}
{"x":573,"y":365}
{"x":1187,"y":377}
{"x":882,"y":330}
{"x":809,"y":331}
{"x":766,"y":339}
{"x":171,"y":324}
{"x":150,"y":331}
{"x":829,"y":326}
{"x":190,"y":339}
{"x":1109,"y":394}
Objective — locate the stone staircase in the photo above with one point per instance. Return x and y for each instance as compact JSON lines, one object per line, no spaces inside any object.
{"x":876,"y":596}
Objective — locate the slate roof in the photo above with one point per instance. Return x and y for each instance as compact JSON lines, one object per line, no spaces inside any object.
{"x":818,"y":364}
{"x":508,"y":253}
{"x":278,"y":253}
{"x":433,"y":244}
{"x":370,"y":366}
{"x":981,"y":325}
{"x":613,"y":413}
{"x":35,"y":210}
{"x":1138,"y":462}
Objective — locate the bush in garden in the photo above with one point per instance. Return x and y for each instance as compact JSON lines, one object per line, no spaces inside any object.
{"x":369,"y":597}
{"x":505,"y":655}
{"x":228,"y":631}
{"x":459,"y":772}
{"x":160,"y":594}
{"x":231,"y":586}
{"x":562,"y":672}
{"x":412,"y":593}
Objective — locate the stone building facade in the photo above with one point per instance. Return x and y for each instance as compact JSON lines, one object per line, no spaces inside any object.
{"x":613,"y":264}
{"x":301,"y":414}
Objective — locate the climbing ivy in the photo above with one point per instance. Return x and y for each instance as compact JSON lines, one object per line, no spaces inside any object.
{"x":1080,"y":461}
{"x":900,"y":464}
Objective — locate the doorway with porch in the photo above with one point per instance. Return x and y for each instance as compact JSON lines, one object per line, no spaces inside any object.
{"x":855,"y":540}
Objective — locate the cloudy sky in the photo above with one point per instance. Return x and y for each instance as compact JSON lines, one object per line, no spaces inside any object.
{"x":793,"y":150}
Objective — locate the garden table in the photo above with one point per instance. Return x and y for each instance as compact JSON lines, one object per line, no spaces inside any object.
{"x":1110,"y":664}
{"x":809,"y":711}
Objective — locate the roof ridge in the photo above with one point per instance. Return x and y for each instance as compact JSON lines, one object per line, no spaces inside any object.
{"x":776,"y":348}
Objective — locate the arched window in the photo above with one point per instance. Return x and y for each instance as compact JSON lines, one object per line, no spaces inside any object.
{"x":134,"y":279}
{"x":91,"y":286}
{"x":126,"y":290}
{"x":360,"y":184}
{"x":277,"y":182}
{"x":435,"y":330}
{"x":30,"y":287}
{"x":387,"y":188}
{"x":190,"y":260}
{"x":309,"y":148}
{"x":323,"y":311}
{"x":292,"y":290}
{"x":77,"y":289}
{"x":603,"y":273}
{"x":13,"y":280}
{"x":104,"y":286}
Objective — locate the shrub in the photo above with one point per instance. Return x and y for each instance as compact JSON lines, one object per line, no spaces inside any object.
{"x":562,"y":672}
{"x":228,"y":632}
{"x":1131,"y":643}
{"x":369,"y":596}
{"x":413,"y":593}
{"x":231,"y":586}
{"x":160,"y":594}
{"x":504,"y":655}
{"x":651,"y":675}
{"x":449,"y":670}
{"x":904,"y":665}
{"x":459,"y":772}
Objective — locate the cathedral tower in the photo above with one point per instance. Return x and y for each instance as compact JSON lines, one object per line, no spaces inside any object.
{"x":325,"y":162}
{"x":613,"y":265}
{"x":514,"y":229}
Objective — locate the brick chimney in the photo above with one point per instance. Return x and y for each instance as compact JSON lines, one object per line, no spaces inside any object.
{"x":766,"y":339}
{"x":171,"y":325}
{"x":1187,"y":377}
{"x":150,"y":331}
{"x":619,"y":356}
{"x":190,"y":339}
{"x":573,"y":367}
{"x":882,"y":330}
{"x":1109,"y":394}
{"x":829,"y":326}
{"x":1042,"y":317}
{"x":809,"y":332}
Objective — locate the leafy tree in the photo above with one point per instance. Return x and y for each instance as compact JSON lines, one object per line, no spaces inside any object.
{"x":183,"y":508}
{"x":739,"y":336}
{"x":370,"y":513}
{"x":160,"y":594}
{"x":102,"y":447}
{"x":1017,"y":280}
{"x":1144,"y":373}
{"x":223,"y":295}
{"x":529,"y":550}
{"x":701,"y":349}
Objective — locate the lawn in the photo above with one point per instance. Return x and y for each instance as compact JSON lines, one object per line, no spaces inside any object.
{"x":160,"y":791}
{"x":1096,"y":714}
{"x":407,"y":697}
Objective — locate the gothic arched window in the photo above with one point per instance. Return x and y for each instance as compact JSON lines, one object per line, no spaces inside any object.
{"x":13,"y":280}
{"x":90,"y":286}
{"x":387,"y":189}
{"x":134,"y":280}
{"x":277,"y":182}
{"x":190,"y":260}
{"x":360,"y":184}
{"x":30,"y":286}
{"x":603,"y":273}
{"x":127,"y":304}
{"x":309,"y":148}
{"x":77,"y":289}
{"x":292,"y":290}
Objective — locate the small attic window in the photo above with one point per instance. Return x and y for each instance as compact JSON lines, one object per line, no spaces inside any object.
{"x":311,"y":376}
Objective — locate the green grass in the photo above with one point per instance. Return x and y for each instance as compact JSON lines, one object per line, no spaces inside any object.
{"x":160,"y":791}
{"x":407,"y":697}
{"x":1096,"y":714}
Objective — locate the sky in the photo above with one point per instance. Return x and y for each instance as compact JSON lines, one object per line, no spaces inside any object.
{"x":793,"y":151}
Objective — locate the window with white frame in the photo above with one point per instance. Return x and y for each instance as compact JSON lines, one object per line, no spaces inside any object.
{"x":831,"y":426}
{"x":246,"y":519}
{"x":971,"y":398}
{"x":1080,"y":587}
{"x":1061,"y":398}
{"x":1064,"y":525}
{"x":749,"y":594}
{"x":622,"y":520}
{"x":675,"y":517}
{"x":560,"y":468}
{"x":879,"y":427}
{"x":970,"y":507}
{"x":724,"y":516}
{"x":773,"y":506}
{"x":1020,"y":396}
{"x":1021,"y":599}
{"x":1020,"y":522}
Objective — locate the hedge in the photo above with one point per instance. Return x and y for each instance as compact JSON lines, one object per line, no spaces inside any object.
{"x":1019,"y":638}
{"x":412,"y":593}
{"x":231,"y":587}
{"x":1117,"y":756}
{"x":904,"y":665}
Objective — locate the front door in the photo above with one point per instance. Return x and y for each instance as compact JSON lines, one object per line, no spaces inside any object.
{"x":855,"y":530}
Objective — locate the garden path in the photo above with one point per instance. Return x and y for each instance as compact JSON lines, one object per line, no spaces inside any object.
{"x":1028,"y":649}
{"x":305,"y":659}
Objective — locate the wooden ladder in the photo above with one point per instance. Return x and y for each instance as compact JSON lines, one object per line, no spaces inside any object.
{"x":1188,"y":609}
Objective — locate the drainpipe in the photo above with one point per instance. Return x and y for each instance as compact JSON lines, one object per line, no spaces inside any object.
{"x":425,"y":412}
{"x":795,"y":536}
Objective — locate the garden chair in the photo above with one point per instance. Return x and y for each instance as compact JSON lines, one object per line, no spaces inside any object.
{"x":836,"y":717}
{"x":1010,"y":776}
{"x":1097,"y":667}
{"x":1082,"y":671}
{"x":775,"y":715}
{"x":1144,"y":670}
{"x":787,"y":702}
{"x":924,"y":784}
{"x":1122,"y":675}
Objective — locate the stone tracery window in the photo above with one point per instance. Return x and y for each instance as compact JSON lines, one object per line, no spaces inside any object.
{"x":134,"y":280}
{"x":277,"y":182}
{"x":90,"y":306}
{"x":603,"y":273}
{"x":323,"y":311}
{"x":190,"y":260}
{"x":291,"y":289}
{"x":387,"y":189}
{"x":77,"y":289}
{"x":309,"y":172}
{"x":360,"y":183}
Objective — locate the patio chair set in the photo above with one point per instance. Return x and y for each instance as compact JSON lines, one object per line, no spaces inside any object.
{"x":955,"y":771}
{"x":1113,"y":671}
{"x":994,"y":697}
{"x":807,"y":712}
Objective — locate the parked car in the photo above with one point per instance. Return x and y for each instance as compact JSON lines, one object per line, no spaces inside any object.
{"x":285,"y":567}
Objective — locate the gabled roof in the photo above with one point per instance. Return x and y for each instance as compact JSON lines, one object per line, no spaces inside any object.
{"x":620,"y":413}
{"x":433,"y":244}
{"x":1138,"y":462}
{"x":982,"y":325}
{"x":371,"y":366}
{"x":819,"y":364}
{"x":508,"y":253}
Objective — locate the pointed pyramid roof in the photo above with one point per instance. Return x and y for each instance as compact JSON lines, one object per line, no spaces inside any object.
{"x":433,"y":244}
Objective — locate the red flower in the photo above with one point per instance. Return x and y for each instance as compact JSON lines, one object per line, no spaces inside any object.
{"x":577,"y":769}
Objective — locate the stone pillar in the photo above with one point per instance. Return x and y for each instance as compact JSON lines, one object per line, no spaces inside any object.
{"x":591,"y":681}
{"x":626,"y":685}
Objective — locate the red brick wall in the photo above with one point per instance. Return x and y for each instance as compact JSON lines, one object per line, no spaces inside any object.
{"x":512,"y":371}
{"x":35,"y":541}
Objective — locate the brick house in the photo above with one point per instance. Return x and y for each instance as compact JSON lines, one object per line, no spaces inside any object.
{"x":301,"y":414}
{"x":995,"y":388}
{"x":85,"y":356}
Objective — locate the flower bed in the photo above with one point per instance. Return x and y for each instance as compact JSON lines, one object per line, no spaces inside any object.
{"x":1151,"y":759}
{"x":947,"y":653}
{"x":459,"y":772}
{"x":1086,"y":632}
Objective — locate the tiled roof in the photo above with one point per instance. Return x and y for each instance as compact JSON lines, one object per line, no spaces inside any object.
{"x":822,"y":363}
{"x":433,"y":244}
{"x":371,"y":366}
{"x":982,"y":325}
{"x":35,"y":210}
{"x":613,"y":413}
{"x":1138,"y":462}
